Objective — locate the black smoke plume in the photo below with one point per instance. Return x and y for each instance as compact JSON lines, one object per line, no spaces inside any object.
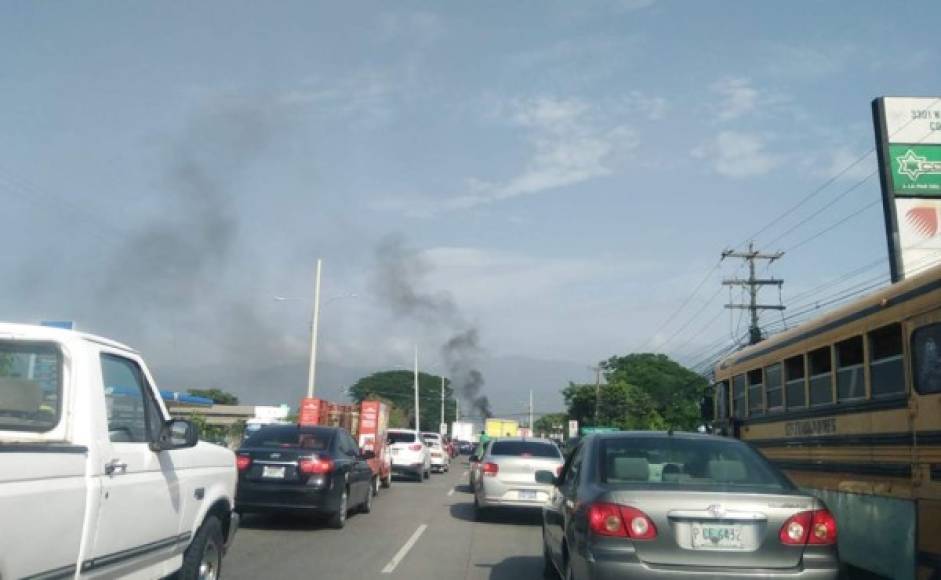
{"x":399,"y":276}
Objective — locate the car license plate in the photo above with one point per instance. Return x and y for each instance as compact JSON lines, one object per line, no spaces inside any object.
{"x":273,"y":471}
{"x":528,"y":494}
{"x":717,"y":536}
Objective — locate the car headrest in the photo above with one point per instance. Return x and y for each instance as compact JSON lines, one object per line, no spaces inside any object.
{"x":20,"y":395}
{"x":671,"y":473}
{"x":727,"y":470}
{"x":631,"y":469}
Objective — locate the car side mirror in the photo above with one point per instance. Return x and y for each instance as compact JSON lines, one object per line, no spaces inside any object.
{"x":368,"y":454}
{"x":546,"y":477}
{"x":176,"y":434}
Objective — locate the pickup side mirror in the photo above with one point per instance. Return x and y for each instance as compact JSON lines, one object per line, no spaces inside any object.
{"x":546,"y":477}
{"x":176,"y":434}
{"x":367,"y":455}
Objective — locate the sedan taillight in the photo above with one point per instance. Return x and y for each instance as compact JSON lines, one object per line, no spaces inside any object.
{"x":608,"y":519}
{"x":315,"y":465}
{"x":415,"y":447}
{"x":816,"y":527}
{"x":243,"y":462}
{"x":490,"y":469}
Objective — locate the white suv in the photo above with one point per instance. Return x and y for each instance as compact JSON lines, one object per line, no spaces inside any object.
{"x":410,"y":455}
{"x":440,"y":458}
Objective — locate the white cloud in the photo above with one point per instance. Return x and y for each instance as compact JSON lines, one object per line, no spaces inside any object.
{"x":808,"y":62}
{"x":635,"y":4}
{"x":738,"y":155}
{"x":569,"y":142}
{"x":421,"y":27}
{"x":368,"y":96}
{"x":738,"y":98}
{"x":845,"y":163}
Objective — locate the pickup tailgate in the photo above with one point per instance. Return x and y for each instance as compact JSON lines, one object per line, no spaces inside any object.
{"x":43,"y":496}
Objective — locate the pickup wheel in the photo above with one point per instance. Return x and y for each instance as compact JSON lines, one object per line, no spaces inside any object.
{"x":203,"y":558}
{"x":387,"y":481}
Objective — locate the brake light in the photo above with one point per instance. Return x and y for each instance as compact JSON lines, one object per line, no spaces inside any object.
{"x":811,"y":527}
{"x":608,"y":519}
{"x":315,"y":465}
{"x":243,"y":462}
{"x":415,"y":447}
{"x":490,"y":469}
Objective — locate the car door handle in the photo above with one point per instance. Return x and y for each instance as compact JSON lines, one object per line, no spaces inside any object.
{"x":114,"y":467}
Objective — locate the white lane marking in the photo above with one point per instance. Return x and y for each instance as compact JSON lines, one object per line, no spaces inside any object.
{"x":403,"y":551}
{"x":451,"y":492}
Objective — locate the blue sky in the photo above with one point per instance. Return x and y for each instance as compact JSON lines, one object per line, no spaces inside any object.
{"x":568,"y":171}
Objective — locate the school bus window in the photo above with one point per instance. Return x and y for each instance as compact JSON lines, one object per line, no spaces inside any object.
{"x":885,"y":355}
{"x":794,"y":381}
{"x":850,"y":380}
{"x":774,"y":388}
{"x":756,"y":397}
{"x":821,"y":387}
{"x":722,"y":400}
{"x":738,"y":397}
{"x":926,"y":359}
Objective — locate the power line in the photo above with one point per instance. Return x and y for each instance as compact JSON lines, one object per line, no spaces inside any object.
{"x":676,"y":312}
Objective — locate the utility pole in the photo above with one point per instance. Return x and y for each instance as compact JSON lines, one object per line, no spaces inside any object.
{"x":753,"y":284}
{"x":597,"y":370}
{"x":532,"y":433}
{"x":417,"y":422}
{"x":442,"y":424}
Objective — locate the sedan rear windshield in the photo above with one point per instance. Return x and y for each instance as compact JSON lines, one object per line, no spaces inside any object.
{"x":686,"y":462}
{"x":401,"y":437}
{"x":290,"y":437}
{"x":525,"y":449}
{"x":30,"y":385}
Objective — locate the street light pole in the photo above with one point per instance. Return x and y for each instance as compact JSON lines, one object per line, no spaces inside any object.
{"x":417,"y":415}
{"x":315,"y":321}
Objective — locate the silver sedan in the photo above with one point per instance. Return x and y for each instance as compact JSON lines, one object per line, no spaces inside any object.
{"x":507,"y":473}
{"x":682,"y":506}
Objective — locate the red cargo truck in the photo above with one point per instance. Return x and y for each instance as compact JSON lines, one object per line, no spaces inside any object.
{"x":371,"y":435}
{"x":367,"y":423}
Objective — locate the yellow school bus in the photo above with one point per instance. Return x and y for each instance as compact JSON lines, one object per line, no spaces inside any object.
{"x":849,"y":406}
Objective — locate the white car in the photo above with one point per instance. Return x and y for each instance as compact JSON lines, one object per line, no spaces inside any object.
{"x":410,"y":455}
{"x":440,"y":458}
{"x":96,"y":479}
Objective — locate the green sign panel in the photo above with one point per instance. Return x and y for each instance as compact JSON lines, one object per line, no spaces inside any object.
{"x":916,"y":170}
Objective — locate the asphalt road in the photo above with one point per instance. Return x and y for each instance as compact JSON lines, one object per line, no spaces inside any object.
{"x":416,"y":531}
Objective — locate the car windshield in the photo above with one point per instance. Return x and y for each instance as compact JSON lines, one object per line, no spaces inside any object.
{"x":29,"y":386}
{"x":291,"y":436}
{"x":685,"y":462}
{"x":401,"y":437}
{"x":525,"y":449}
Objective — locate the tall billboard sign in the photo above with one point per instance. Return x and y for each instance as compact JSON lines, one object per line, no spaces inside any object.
{"x":908,"y":144}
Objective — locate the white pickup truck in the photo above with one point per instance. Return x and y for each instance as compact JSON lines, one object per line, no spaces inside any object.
{"x":96,"y":480}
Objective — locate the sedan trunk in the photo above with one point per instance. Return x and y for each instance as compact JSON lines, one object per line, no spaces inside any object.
{"x":728,"y":529}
